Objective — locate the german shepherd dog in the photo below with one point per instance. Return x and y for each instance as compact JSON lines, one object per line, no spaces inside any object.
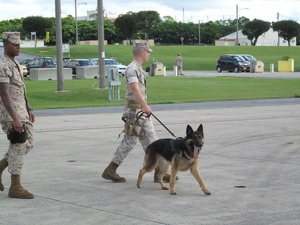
{"x":181,"y":154}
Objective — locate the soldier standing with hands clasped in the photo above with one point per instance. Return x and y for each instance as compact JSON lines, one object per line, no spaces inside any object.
{"x":179,"y":64}
{"x":16,"y":116}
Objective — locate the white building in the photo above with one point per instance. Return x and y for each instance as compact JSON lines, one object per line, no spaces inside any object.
{"x":90,"y":16}
{"x":270,"y":38}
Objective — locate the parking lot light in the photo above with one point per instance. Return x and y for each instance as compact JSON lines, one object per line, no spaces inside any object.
{"x":76,"y":25}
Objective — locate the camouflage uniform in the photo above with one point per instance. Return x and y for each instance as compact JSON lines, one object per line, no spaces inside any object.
{"x":10,"y":73}
{"x":179,"y":64}
{"x":142,"y":129}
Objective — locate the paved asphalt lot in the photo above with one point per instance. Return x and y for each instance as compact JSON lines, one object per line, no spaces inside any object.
{"x":250,"y":162}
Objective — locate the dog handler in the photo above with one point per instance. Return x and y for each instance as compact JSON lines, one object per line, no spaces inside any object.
{"x":16,"y":116}
{"x":136,"y":100}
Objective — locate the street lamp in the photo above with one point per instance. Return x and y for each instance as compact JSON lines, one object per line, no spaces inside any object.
{"x":237,"y":23}
{"x":199,"y":34}
{"x":76,"y":26}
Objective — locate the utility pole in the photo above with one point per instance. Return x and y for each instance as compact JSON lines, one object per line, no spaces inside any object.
{"x":59,"y":54}
{"x":76,"y":24}
{"x":237,"y":25}
{"x":278,"y":43}
{"x":101,"y":51}
{"x":199,"y":34}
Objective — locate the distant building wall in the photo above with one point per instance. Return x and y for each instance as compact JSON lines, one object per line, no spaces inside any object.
{"x":91,"y":42}
{"x":270,"y":38}
{"x":31,"y":44}
{"x":127,"y":42}
{"x":225,"y":42}
{"x":150,"y":42}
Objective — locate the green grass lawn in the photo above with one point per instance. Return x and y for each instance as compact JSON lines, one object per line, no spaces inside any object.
{"x":199,"y":58}
{"x":43,"y":95}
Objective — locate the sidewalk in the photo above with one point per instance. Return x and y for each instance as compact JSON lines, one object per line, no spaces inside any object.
{"x":250,"y":162}
{"x":277,"y":75}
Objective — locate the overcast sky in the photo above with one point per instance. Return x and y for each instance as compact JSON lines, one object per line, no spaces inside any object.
{"x":187,"y":10}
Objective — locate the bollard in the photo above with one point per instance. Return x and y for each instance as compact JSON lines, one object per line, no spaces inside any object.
{"x":175,"y":70}
{"x":272,"y":68}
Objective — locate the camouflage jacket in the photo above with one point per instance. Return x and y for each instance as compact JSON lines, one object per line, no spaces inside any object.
{"x":135,"y":74}
{"x":10,"y":72}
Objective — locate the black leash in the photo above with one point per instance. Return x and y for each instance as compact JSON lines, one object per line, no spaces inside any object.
{"x":164,"y":125}
{"x":140,"y":113}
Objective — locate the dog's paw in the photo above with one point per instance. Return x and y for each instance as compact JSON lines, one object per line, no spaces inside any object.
{"x":164,"y":188}
{"x":139,"y":185}
{"x":173,"y":193}
{"x":206,"y":191}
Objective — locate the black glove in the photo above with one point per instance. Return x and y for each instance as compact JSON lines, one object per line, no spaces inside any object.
{"x":16,"y":137}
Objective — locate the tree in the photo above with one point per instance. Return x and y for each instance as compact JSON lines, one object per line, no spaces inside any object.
{"x":254,"y":29}
{"x":145,"y":20}
{"x":11,"y":25}
{"x":126,"y":25}
{"x":167,"y":18}
{"x":287,"y":29}
{"x":111,"y":33}
{"x":37,"y":24}
{"x":165,"y":32}
{"x":68,"y":29}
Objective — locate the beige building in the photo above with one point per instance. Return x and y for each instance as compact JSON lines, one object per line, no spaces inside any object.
{"x":270,"y":38}
{"x":32,"y":43}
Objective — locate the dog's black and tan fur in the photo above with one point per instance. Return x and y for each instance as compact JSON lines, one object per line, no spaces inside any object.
{"x":181,"y":154}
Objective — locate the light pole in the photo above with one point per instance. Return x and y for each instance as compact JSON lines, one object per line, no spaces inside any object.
{"x":101,"y":50}
{"x":237,"y":24}
{"x":199,"y":34}
{"x":76,"y":25}
{"x":59,"y":54}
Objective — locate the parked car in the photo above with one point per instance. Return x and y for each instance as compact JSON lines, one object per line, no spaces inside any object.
{"x":75,"y":63}
{"x":1,"y":44}
{"x":24,"y":70}
{"x":112,"y":62}
{"x":232,"y":63}
{"x":247,"y":57}
{"x":39,"y":62}
{"x":24,"y":62}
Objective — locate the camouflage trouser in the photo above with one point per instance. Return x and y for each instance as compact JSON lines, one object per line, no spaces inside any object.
{"x":16,"y":152}
{"x":179,"y":70}
{"x":146,"y":137}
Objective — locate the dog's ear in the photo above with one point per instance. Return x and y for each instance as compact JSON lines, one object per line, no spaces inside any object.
{"x":189,"y":130}
{"x":200,"y":128}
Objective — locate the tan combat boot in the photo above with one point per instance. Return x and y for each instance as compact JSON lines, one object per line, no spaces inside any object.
{"x":110,"y":173}
{"x":16,"y":190}
{"x":166,"y":177}
{"x":3,"y":165}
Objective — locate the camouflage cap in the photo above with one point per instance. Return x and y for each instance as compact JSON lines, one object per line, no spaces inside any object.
{"x":12,"y":37}
{"x":142,"y":44}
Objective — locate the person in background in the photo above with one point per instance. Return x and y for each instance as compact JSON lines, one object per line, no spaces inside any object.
{"x":179,"y":64}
